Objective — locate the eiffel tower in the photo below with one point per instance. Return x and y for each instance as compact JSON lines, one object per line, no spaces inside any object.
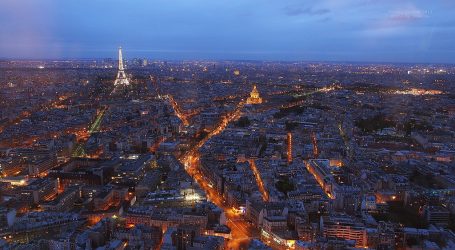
{"x":121,"y":79}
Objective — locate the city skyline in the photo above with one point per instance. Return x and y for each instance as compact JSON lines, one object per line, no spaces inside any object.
{"x":334,"y":31}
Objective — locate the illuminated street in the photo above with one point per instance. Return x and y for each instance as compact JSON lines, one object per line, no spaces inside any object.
{"x":265,"y":195}
{"x":94,"y":127}
{"x":241,"y":232}
{"x":178,"y":111}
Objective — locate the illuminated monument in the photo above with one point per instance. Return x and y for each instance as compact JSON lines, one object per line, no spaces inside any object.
{"x":121,"y":79}
{"x":254,"y":97}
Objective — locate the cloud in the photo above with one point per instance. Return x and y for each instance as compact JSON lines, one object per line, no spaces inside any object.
{"x":405,"y":16}
{"x":324,"y":19}
{"x":298,"y":11}
{"x":399,"y":21}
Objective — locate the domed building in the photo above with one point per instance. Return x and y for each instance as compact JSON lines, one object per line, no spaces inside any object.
{"x":254,"y":97}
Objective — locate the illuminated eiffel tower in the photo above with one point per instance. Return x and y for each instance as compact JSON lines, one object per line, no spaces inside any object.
{"x":121,"y":79}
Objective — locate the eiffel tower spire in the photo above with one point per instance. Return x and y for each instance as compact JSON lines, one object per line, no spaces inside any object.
{"x":121,"y":76}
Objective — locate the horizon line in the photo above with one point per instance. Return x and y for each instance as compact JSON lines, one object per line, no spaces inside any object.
{"x":228,"y":60}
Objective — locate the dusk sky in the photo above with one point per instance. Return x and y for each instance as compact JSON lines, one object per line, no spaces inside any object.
{"x":315,"y":30}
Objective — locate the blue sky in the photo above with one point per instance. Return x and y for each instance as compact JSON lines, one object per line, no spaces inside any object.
{"x":321,"y":30}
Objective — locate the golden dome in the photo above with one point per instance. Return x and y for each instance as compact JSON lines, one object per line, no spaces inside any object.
{"x":254,"y":96}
